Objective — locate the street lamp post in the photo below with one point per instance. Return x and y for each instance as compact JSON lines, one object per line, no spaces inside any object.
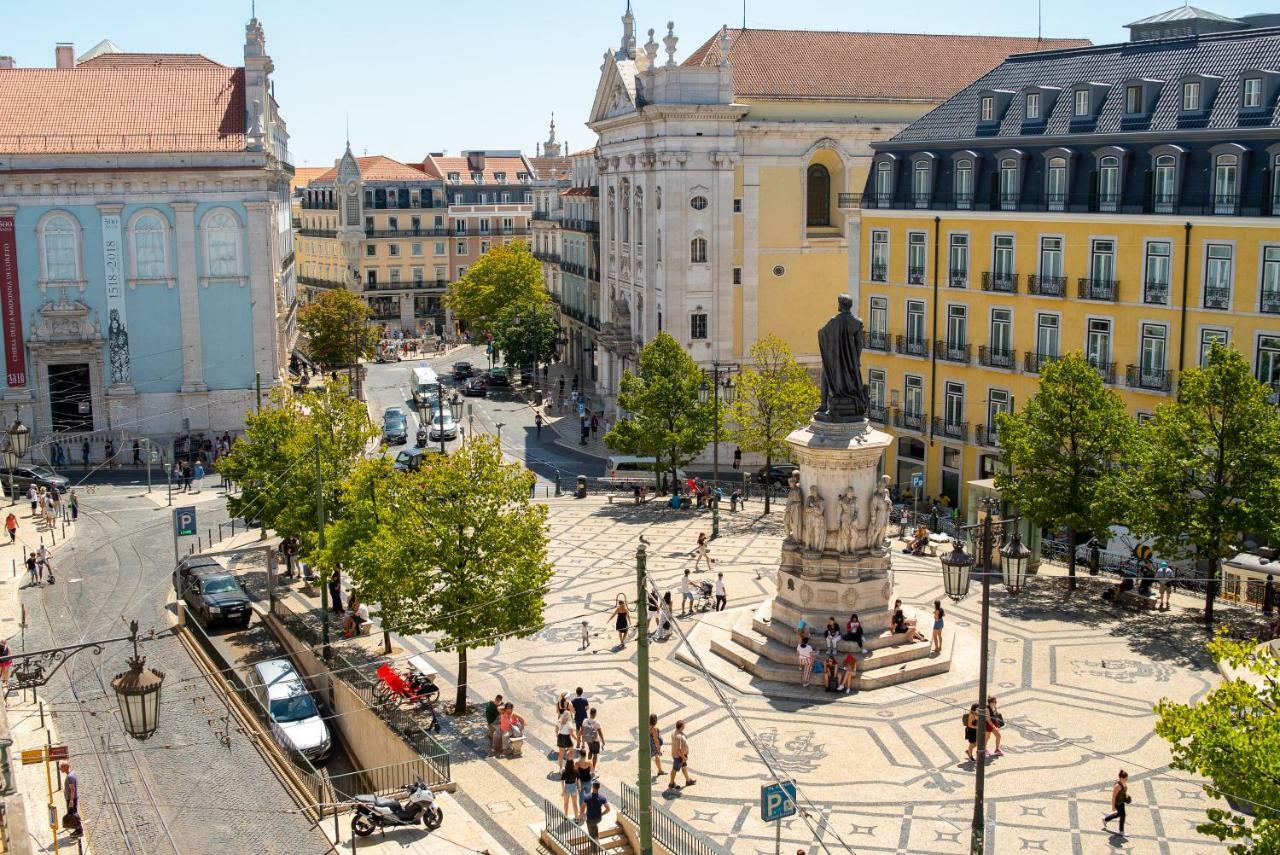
{"x":957,"y":572}
{"x":714,"y":389}
{"x":19,"y":438}
{"x":432,"y":417}
{"x":455,"y":409}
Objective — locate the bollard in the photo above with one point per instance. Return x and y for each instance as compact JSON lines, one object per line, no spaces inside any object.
{"x":219,"y":532}
{"x":209,"y":533}
{"x":41,"y":713}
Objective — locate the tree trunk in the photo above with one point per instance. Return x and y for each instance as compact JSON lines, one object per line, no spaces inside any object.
{"x":1211,"y":590}
{"x":1071,"y":558}
{"x":460,"y":699}
{"x":768,"y":469}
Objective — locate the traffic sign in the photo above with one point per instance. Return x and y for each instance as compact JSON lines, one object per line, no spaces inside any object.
{"x":184,"y":522}
{"x":777,"y":801}
{"x":917,"y":480}
{"x":44,"y":754}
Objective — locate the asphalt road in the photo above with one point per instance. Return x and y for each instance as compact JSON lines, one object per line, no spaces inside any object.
{"x":388,"y":386}
{"x":185,"y":790}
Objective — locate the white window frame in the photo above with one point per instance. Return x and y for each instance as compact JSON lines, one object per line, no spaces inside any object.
{"x":987,"y":109}
{"x":1031,"y":110}
{"x":1251,"y":92}
{"x":136,"y":273}
{"x":698,"y":250}
{"x":1209,"y":335}
{"x":1080,"y":103}
{"x":207,"y":234}
{"x":696,"y":318}
{"x":1191,"y":96}
{"x":75,"y":233}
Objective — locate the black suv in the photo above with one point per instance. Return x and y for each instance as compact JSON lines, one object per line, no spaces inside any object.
{"x":192,"y":566}
{"x":218,"y":597}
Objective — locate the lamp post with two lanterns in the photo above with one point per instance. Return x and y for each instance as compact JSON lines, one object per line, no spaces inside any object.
{"x":714,"y":387}
{"x":958,"y":568}
{"x":18,"y":438}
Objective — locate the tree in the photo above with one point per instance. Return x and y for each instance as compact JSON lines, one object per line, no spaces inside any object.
{"x":456,"y":549}
{"x":274,"y":463}
{"x":504,"y":278}
{"x":526,"y":335}
{"x":1061,"y":449}
{"x":336,"y":324}
{"x":1232,"y":737}
{"x":775,"y":396}
{"x":1207,"y":466}
{"x":665,"y":420}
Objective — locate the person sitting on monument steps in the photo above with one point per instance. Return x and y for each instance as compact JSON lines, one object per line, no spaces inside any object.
{"x":831,"y":674}
{"x":853,"y":631}
{"x":918,"y":541}
{"x":848,"y":671}
{"x":832,"y":635}
{"x":901,"y":624}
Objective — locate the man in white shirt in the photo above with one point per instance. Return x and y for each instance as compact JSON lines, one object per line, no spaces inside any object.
{"x":686,"y":594}
{"x":1164,"y":578}
{"x":720,"y":593}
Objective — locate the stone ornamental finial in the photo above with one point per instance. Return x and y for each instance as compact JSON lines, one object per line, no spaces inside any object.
{"x":670,"y":40}
{"x":651,"y":50}
{"x":724,"y":46}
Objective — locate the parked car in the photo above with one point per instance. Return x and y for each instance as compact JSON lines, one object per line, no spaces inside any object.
{"x":463,"y":370}
{"x":778,"y":474}
{"x":443,"y":426}
{"x":194,"y":565}
{"x":475,"y":388}
{"x":296,"y":722}
{"x":217,"y":598}
{"x":29,"y":473}
{"x":412,"y":459}
{"x":499,"y":377}
{"x":395,"y":427}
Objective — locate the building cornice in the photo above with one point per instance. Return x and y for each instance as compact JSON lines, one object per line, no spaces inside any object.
{"x":1178,"y":221}
{"x":1083,"y":140}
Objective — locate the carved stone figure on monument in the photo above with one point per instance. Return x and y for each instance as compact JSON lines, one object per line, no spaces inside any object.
{"x":847,"y":529}
{"x":815,"y":522}
{"x":878,"y":524}
{"x":795,"y":511}
{"x":844,"y":398}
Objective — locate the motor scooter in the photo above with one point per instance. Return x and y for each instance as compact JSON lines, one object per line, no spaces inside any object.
{"x":422,"y":437}
{"x":373,"y":812}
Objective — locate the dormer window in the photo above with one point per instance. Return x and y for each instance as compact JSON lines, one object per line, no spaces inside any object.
{"x":500,"y":177}
{"x":454,"y":178}
{"x":1081,"y":103}
{"x":1010,"y":184}
{"x":988,"y":110}
{"x":1056,"y":184}
{"x":477,"y":177}
{"x":1032,"y":110}
{"x":964,"y":184}
{"x":1226,"y":183}
{"x":884,"y":183}
{"x":1133,"y":100}
{"x":1251,"y":93}
{"x":1191,"y":96}
{"x":1108,"y":183}
{"x":921,"y":179}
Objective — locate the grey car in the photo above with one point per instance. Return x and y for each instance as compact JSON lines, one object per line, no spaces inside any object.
{"x":27,"y":474}
{"x":395,"y":428}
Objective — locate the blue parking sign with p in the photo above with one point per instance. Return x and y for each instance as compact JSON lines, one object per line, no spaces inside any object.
{"x":777,"y":801}
{"x":917,"y":480}
{"x":184,"y":521}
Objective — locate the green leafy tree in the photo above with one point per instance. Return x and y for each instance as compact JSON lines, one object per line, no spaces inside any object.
{"x":1208,"y":466}
{"x":665,"y":420}
{"x":775,"y":396}
{"x":1061,"y":449}
{"x":526,"y":335}
{"x":336,"y":326}
{"x":1232,"y":737}
{"x":505,"y":279}
{"x":456,"y":549}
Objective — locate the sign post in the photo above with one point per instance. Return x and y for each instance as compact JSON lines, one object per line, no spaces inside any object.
{"x":47,"y":754}
{"x":777,"y":802}
{"x":917,"y":490}
{"x":184,"y":525}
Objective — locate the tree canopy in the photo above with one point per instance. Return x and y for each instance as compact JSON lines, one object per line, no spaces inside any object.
{"x":1232,"y":737}
{"x":526,"y":335}
{"x":664,"y":418}
{"x":504,"y":281}
{"x":336,"y":326}
{"x":1207,"y":466}
{"x":455,"y":549}
{"x":775,"y":396}
{"x":1061,"y":449}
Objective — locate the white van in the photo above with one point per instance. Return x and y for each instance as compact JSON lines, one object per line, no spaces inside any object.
{"x":295,"y":719}
{"x":423,"y":383}
{"x":629,"y":467}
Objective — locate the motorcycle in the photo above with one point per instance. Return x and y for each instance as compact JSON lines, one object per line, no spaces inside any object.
{"x":374,"y":812}
{"x":422,"y":437}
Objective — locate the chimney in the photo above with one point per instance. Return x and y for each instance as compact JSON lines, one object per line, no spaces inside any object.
{"x":7,"y":62}
{"x":475,"y":161}
{"x":64,"y":55}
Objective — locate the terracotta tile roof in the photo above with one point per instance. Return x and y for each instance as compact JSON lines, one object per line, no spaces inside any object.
{"x":585,"y":152}
{"x":118,"y":60}
{"x":304,"y":175}
{"x":826,"y":65}
{"x":551,"y":167}
{"x":379,"y":167}
{"x":580,"y":191}
{"x":91,"y":108}
{"x":492,"y":164}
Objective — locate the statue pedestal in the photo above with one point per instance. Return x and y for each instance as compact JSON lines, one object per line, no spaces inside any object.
{"x":837,"y":458}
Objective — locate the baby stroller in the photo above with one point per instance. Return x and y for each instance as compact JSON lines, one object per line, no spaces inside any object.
{"x":703,"y":598}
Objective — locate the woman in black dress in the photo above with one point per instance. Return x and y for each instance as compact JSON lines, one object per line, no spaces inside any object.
{"x":971,"y":731}
{"x":621,"y":620}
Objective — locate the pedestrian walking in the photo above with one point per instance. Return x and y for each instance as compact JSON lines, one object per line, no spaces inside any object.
{"x":537,"y":423}
{"x":595,"y":806}
{"x":1164,"y":581}
{"x":186,"y":476}
{"x":721,"y":598}
{"x":569,"y":786}
{"x":679,"y":758}
{"x":335,"y":591}
{"x":664,"y":617}
{"x":1120,"y":799}
{"x":137,"y":453}
{"x":586,"y":636}
{"x":198,"y":473}
{"x":584,"y":427}
{"x":701,"y":553}
{"x":995,"y":722}
{"x":49,"y":512}
{"x":583,"y":772}
{"x":71,"y":792}
{"x":491,"y":712}
{"x":651,"y":610}
{"x":595,"y":424}
{"x":737,"y":458}
{"x":11,"y":526}
{"x":74,"y":502}
{"x":621,"y":620}
{"x":33,"y":496}
{"x":33,"y":568}
{"x":655,"y":742}
{"x":593,"y":737}
{"x":564,"y":733}
{"x":109,"y":454}
{"x":804,"y":656}
{"x":686,"y":594}
{"x":6,"y":664}
{"x":580,"y":706}
{"x":1268,"y":589}
{"x":971,"y":731}
{"x":84,"y":453}
{"x":935,"y":643}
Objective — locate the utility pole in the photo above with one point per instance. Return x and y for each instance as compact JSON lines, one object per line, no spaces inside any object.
{"x":324,"y":586}
{"x":440,"y":396}
{"x":643,"y":782}
{"x":257,"y":383}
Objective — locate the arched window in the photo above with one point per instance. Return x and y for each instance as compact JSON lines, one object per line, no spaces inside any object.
{"x":639,"y":217}
{"x":1226,"y":172}
{"x":1009,"y":184}
{"x":626,"y":211}
{"x":921,"y":183}
{"x":659,"y":245}
{"x":613,"y":222}
{"x":698,"y":250}
{"x":818,"y":196}
{"x":60,"y":247}
{"x":221,"y":244}
{"x":1056,"y":183}
{"x":884,"y":182}
{"x":150,"y":260}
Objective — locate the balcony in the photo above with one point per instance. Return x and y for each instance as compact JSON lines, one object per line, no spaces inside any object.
{"x":915,"y":275}
{"x":1270,"y":302}
{"x":320,"y":233}
{"x":553,"y":257}
{"x":951,"y":352}
{"x":1034,"y":362}
{"x":1151,"y":379}
{"x":910,"y":421}
{"x":911,"y":346}
{"x":593,"y":322}
{"x":878,"y":340}
{"x":1226,"y":203}
{"x":287,"y":261}
{"x":574,"y":312}
{"x":319,"y":206}
{"x":958,"y":279}
{"x":1106,"y":370}
{"x":1105,"y":203}
{"x":407,"y":285}
{"x":877,"y":413}
{"x":990,"y":357}
{"x":1099,"y":289}
{"x":542,"y":215}
{"x":1156,"y":293}
{"x":879,"y":274}
{"x":1009,"y":201}
{"x":1217,"y":297}
{"x":1001,"y":282}
{"x":1047,"y":286}
{"x":297,"y":223}
{"x":589,"y":226}
{"x":313,"y":282}
{"x":986,"y":435}
{"x":574,"y":268}
{"x":405,"y":233}
{"x":849,"y":200}
{"x":950,"y":429}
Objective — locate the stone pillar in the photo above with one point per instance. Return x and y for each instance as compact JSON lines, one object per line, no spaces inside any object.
{"x":407,"y":322}
{"x":189,"y":297}
{"x":262,"y":292}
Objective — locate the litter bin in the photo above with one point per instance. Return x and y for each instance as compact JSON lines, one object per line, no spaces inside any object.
{"x":537,"y":397}
{"x":581,"y":492}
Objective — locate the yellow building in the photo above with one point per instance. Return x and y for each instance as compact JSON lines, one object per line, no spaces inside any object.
{"x":1128,"y":215}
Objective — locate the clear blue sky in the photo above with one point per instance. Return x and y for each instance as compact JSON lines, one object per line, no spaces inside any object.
{"x":425,"y":76}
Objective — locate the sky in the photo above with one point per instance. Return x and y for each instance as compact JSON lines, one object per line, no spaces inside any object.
{"x":425,"y":76}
